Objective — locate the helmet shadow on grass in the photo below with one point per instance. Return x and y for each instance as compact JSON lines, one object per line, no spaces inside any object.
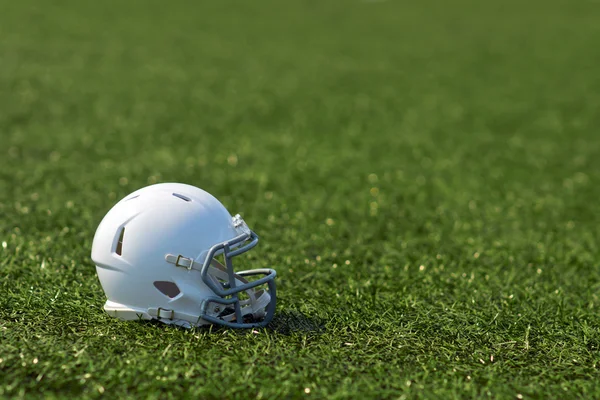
{"x":289,"y":322}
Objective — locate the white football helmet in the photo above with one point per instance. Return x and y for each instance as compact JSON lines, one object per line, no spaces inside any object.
{"x":156,"y":254}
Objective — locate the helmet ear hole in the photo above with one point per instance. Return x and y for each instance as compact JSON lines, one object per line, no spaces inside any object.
{"x":167,"y":288}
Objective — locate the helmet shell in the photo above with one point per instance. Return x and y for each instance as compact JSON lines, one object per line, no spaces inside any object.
{"x":132,"y":240}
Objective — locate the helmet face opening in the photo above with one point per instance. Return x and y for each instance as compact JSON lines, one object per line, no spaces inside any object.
{"x":240,"y":296}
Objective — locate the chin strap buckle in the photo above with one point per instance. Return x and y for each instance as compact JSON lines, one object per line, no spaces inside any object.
{"x":163,"y":313}
{"x":180,"y":261}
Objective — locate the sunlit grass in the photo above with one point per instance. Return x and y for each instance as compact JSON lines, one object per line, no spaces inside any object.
{"x":424,"y":178}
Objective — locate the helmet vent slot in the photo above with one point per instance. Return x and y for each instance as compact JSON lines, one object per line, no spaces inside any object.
{"x":182,"y":197}
{"x":133,"y":197}
{"x":119,"y":249}
{"x":167,"y":288}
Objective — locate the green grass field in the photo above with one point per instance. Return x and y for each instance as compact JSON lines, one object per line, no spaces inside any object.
{"x":424,"y":176}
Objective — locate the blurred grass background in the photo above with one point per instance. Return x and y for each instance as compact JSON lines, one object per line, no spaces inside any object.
{"x":423,"y":176}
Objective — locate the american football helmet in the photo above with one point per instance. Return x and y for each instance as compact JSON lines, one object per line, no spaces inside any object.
{"x":165,"y":252}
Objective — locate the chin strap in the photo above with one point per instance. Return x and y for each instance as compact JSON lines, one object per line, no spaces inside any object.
{"x":172,"y":315}
{"x":256,"y":308}
{"x":256,"y":303}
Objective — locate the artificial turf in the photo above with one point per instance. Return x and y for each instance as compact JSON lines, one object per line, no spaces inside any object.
{"x":424,"y":176}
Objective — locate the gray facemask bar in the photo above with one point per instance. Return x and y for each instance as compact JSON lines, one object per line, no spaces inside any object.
{"x":231,"y":289}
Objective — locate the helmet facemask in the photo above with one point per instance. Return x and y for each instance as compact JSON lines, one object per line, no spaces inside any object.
{"x":242,"y":299}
